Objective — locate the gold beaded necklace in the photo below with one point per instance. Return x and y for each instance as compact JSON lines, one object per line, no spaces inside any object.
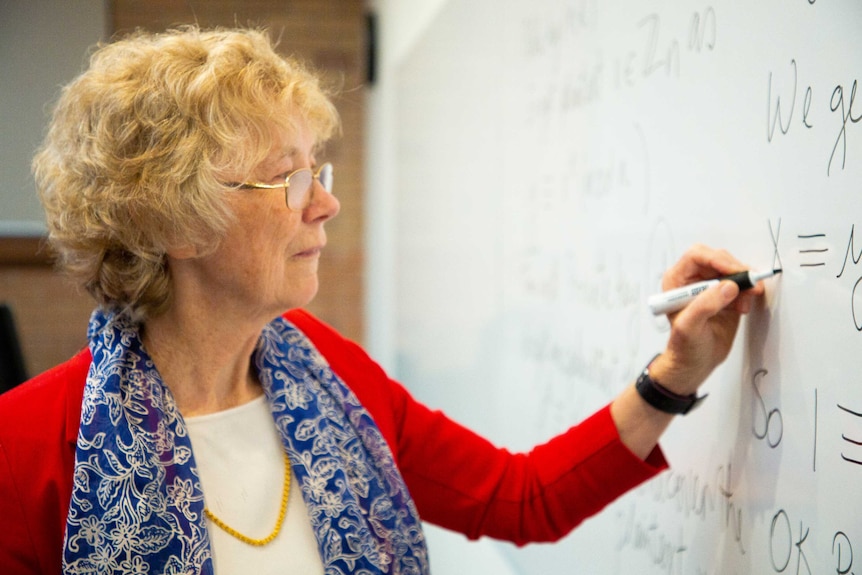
{"x":285,"y":494}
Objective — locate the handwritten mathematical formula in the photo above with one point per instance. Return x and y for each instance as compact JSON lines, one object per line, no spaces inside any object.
{"x":813,"y":250}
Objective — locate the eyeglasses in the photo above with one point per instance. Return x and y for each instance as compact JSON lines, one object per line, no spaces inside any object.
{"x":298,"y":185}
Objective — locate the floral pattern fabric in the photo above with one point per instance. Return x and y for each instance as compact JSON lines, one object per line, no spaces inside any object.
{"x":137,"y":501}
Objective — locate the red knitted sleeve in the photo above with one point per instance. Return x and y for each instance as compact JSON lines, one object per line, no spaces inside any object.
{"x":463,"y":482}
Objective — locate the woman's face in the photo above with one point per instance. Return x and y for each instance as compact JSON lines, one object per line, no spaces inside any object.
{"x":267,"y":263}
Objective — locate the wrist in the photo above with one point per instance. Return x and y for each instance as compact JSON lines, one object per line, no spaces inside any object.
{"x":678,"y":381}
{"x":654,"y":392}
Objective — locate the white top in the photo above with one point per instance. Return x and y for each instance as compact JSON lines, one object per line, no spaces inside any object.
{"x":239,"y":457}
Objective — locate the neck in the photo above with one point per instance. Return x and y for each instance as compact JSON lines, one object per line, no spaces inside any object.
{"x":205,"y":363}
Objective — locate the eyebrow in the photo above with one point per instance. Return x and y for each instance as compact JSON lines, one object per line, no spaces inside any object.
{"x":291,"y":152}
{"x":273,"y":166}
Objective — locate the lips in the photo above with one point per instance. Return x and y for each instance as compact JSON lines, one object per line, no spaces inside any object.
{"x":309,"y":252}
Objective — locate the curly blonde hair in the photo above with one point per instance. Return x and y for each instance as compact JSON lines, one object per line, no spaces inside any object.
{"x":129,"y":166}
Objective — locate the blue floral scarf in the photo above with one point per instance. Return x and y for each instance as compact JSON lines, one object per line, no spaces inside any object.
{"x":137,"y":503}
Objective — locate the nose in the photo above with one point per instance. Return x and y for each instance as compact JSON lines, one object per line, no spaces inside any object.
{"x":323,"y":205}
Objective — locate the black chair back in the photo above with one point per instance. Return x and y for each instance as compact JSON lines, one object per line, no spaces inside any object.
{"x":12,"y":369}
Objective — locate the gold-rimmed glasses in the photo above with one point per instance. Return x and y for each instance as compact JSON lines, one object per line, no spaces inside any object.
{"x":297,"y":185}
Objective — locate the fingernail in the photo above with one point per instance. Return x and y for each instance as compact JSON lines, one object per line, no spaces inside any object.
{"x":728,"y":290}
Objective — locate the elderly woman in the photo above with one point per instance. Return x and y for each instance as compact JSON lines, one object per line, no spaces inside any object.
{"x":206,"y":429}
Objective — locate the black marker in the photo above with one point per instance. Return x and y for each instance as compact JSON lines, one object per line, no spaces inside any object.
{"x":676,"y":299}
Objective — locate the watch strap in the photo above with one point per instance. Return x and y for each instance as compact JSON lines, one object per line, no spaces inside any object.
{"x":662,"y":398}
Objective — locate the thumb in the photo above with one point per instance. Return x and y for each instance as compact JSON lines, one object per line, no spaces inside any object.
{"x":710,"y":302}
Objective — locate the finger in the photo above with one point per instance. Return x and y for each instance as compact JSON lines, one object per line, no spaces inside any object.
{"x":700,"y":262}
{"x":745,"y":302}
{"x":725,"y":263}
{"x":707,"y":305}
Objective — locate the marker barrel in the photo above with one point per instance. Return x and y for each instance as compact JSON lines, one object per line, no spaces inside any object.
{"x":676,"y":299}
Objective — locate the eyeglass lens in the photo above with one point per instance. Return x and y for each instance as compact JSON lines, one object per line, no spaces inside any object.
{"x":299,"y":185}
{"x":325,"y":176}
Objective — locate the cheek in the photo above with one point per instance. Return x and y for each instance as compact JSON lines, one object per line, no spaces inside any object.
{"x":261,"y":237}
{"x":266,"y":250}
{"x":263,"y":225}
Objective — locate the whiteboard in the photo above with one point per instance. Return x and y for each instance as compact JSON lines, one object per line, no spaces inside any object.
{"x":553,"y":158}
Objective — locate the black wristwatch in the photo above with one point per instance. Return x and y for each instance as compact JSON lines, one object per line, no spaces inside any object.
{"x":662,"y":398}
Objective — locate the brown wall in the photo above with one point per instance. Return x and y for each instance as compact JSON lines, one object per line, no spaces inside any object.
{"x":330,"y":35}
{"x":50,"y":314}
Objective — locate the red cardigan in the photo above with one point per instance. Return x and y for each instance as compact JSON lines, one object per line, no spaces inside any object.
{"x":458,"y":479}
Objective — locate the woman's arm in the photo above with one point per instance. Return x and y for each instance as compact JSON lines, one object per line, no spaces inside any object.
{"x":461,"y":481}
{"x":701,"y":337}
